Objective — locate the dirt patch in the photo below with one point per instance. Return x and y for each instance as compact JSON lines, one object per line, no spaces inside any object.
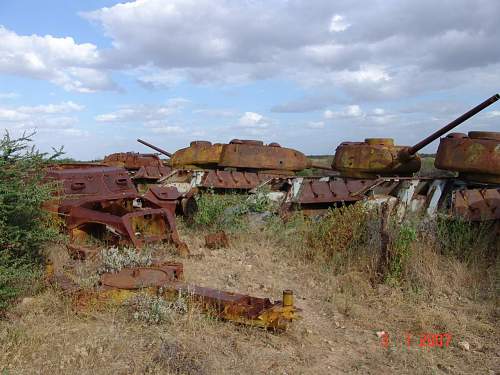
{"x":337,"y":334}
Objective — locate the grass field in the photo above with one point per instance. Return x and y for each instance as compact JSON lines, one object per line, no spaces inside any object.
{"x":443,"y":279}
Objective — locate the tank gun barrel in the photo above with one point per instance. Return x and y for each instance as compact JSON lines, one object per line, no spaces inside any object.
{"x":161,"y":151}
{"x":321,"y":166}
{"x":407,"y":152}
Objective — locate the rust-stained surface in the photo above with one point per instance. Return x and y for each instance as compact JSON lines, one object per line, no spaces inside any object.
{"x":373,"y":157}
{"x":239,"y":155}
{"x":140,"y":166}
{"x":216,"y":240}
{"x":328,"y":190}
{"x":252,"y":155}
{"x":156,"y":275}
{"x":477,"y":204}
{"x":475,"y":156}
{"x":102,"y":202}
{"x":455,"y":197}
{"x":166,"y":280}
{"x":185,"y":180}
{"x":199,"y":154}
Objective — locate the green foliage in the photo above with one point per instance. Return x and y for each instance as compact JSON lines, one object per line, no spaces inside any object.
{"x":404,"y":235}
{"x":340,"y":240}
{"x":23,"y":226}
{"x":465,"y":240}
{"x":227,"y":211}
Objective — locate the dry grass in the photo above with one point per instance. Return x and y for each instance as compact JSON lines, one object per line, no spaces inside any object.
{"x":342,"y":311}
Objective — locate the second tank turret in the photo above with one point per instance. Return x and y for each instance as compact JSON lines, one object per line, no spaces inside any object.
{"x":239,"y":155}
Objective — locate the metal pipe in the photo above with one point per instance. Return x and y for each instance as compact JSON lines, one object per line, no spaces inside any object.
{"x":161,"y":151}
{"x":414,"y":149}
{"x":320,"y":166}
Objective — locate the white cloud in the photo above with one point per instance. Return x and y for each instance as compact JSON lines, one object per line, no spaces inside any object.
{"x":59,"y":60}
{"x":367,"y":73}
{"x":351,"y":111}
{"x":63,"y":107}
{"x":55,"y":119}
{"x":150,"y":115}
{"x":215,"y":112}
{"x":315,"y":125}
{"x":168,"y":130}
{"x":338,"y":24}
{"x":9,"y":95}
{"x":253,"y":120}
{"x":492,"y":114}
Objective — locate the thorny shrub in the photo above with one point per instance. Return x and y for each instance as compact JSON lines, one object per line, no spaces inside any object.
{"x":24,"y":226}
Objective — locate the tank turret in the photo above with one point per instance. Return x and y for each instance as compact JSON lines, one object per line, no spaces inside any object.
{"x":241,"y":155}
{"x":475,"y":156}
{"x":380,"y":157}
{"x":373,"y":157}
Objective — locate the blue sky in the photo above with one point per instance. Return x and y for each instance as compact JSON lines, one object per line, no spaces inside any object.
{"x":95,"y":75}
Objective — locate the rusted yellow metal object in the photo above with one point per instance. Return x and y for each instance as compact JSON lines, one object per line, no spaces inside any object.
{"x":200,"y":154}
{"x":373,"y":157}
{"x":476,"y":156}
{"x":165,"y":280}
{"x":240,"y":155}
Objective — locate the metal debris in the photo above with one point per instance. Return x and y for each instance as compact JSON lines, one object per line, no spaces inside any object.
{"x":102,"y":203}
{"x":216,"y":240}
{"x":165,"y":280}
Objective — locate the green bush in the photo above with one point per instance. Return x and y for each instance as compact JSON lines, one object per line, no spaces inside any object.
{"x":465,"y":240}
{"x":403,"y":237}
{"x":341,"y":240}
{"x":227,"y":211}
{"x":23,"y":223}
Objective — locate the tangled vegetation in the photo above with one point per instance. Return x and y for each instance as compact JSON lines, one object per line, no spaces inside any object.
{"x":227,"y":211}
{"x":23,"y":224}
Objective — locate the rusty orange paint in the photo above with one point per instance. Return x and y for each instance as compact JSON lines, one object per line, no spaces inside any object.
{"x":475,"y":156}
{"x":373,"y":157}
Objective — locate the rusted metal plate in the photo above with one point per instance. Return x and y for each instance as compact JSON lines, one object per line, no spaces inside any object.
{"x":151,"y":173}
{"x":477,"y":204}
{"x":143,"y":277}
{"x":219,"y":179}
{"x":82,"y":180}
{"x":307,"y":191}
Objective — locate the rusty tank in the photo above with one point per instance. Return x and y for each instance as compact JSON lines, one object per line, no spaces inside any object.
{"x":143,"y":168}
{"x":237,"y":165}
{"x":380,"y":157}
{"x":241,"y":155}
{"x":376,"y":170}
{"x":475,"y":156}
{"x":374,"y":157}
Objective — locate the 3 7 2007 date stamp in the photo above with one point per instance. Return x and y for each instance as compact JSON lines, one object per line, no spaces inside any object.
{"x":423,"y":340}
